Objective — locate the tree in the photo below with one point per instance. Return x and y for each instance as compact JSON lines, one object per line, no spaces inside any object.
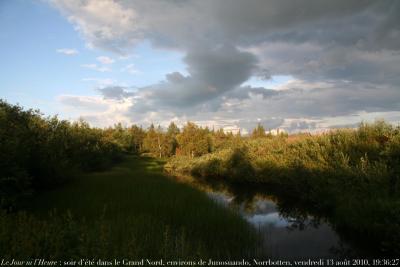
{"x":137,"y":134}
{"x":193,"y":141}
{"x":172,"y":143}
{"x":258,"y":132}
{"x":150,"y":141}
{"x":219,"y":139}
{"x":156,"y":142}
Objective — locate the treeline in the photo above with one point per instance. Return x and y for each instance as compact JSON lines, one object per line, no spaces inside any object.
{"x":192,"y":140}
{"x":350,"y":176}
{"x":38,"y":152}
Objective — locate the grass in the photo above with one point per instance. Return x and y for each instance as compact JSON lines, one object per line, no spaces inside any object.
{"x":132,"y":210}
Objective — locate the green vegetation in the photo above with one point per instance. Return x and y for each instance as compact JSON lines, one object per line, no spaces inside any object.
{"x":37,"y":152}
{"x":131,"y":211}
{"x":350,"y":176}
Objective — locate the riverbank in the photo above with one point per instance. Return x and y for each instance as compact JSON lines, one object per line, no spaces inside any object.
{"x":131,"y":211}
{"x":351,"y":177}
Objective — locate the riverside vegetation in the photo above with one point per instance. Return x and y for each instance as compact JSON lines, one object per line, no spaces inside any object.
{"x":53,"y":208}
{"x":349,"y":176}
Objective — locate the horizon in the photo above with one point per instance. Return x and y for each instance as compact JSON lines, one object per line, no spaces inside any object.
{"x":217,"y":65}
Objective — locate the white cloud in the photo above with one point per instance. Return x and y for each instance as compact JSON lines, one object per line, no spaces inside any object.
{"x":102,"y":22}
{"x":130,"y":68}
{"x":85,"y":103}
{"x":96,"y":110}
{"x":96,"y":67}
{"x":301,"y":84}
{"x":105,"y":60}
{"x":68,"y":51}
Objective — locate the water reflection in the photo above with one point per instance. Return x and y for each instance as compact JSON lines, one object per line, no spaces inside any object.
{"x":273,"y":219}
{"x":288,"y":230}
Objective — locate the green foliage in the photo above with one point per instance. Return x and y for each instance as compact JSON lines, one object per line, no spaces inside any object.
{"x":193,"y":141}
{"x":37,"y":152}
{"x":161,"y":144}
{"x":172,"y":143}
{"x":351,"y":176}
{"x":128,"y":139}
{"x":258,"y":132}
{"x":348,"y":175}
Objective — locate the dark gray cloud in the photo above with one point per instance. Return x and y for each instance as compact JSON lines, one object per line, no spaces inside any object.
{"x":187,"y":23}
{"x":212,"y":73}
{"x":115,"y":92}
{"x":338,"y":100}
{"x":222,"y":68}
{"x":245,"y":92}
{"x":199,"y":27}
{"x":351,"y":46}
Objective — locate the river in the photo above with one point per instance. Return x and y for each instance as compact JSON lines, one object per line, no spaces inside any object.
{"x":287,"y":230}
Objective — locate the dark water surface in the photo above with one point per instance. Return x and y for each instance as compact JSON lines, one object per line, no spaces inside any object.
{"x":287,"y":230}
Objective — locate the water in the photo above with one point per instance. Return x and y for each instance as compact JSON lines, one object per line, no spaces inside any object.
{"x":287,"y":231}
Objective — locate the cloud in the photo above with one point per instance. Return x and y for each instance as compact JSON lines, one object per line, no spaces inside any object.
{"x":302,"y":108}
{"x":245,"y":92}
{"x":131,"y":69}
{"x":105,"y":24}
{"x":97,"y":110}
{"x":96,"y":67}
{"x":246,"y":106}
{"x":125,"y":23}
{"x":115,"y":92}
{"x":313,"y":61}
{"x":68,"y":51}
{"x":288,"y":38}
{"x":211,"y":74}
{"x":83,"y":102}
{"x":105,"y":60}
{"x":336,"y":73}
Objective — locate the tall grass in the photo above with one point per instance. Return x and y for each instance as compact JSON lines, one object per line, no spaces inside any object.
{"x":130,"y":211}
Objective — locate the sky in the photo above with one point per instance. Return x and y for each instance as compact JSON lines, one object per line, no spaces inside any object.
{"x":305,"y":65}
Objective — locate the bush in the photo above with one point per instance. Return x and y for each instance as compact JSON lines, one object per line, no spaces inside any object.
{"x":351,"y":176}
{"x":38,"y":152}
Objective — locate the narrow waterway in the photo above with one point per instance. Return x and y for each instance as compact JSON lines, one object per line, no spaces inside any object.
{"x":287,"y":231}
{"x":285,"y":235}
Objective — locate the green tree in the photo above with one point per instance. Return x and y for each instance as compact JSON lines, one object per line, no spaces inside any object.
{"x":258,"y":132}
{"x":156,"y":142}
{"x":193,"y":141}
{"x":172,"y":143}
{"x":137,"y":135}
